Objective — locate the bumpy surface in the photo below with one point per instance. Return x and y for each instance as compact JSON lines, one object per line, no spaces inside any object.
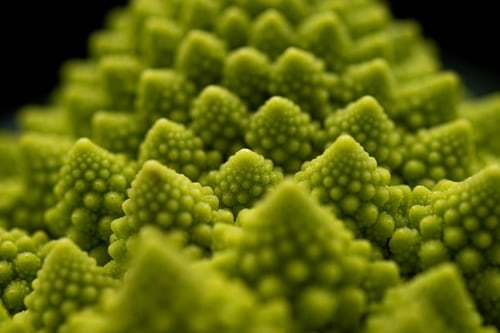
{"x":305,"y":166}
{"x":160,"y":196}
{"x":291,"y":248}
{"x":20,"y":260}
{"x":282,"y":132}
{"x":215,"y":303}
{"x":219,"y":119}
{"x":177,"y":147}
{"x":438,"y":295}
{"x":243,"y":179}
{"x":68,"y":281}
{"x":349,"y":181}
{"x":91,"y":189}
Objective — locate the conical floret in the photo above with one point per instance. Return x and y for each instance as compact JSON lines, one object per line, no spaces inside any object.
{"x":281,"y":132}
{"x":438,"y":295}
{"x":292,"y":248}
{"x":177,"y":147}
{"x":90,"y":191}
{"x":348,"y":180}
{"x":243,"y":179}
{"x":69,"y":281}
{"x":160,"y":196}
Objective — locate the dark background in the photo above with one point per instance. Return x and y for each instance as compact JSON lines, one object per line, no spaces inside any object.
{"x":37,"y":36}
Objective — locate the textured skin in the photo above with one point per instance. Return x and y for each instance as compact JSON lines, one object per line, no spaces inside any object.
{"x":291,"y":248}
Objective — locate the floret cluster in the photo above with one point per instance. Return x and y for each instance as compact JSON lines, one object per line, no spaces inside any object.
{"x":253,"y":166}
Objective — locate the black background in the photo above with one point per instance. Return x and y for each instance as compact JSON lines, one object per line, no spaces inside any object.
{"x":37,"y":36}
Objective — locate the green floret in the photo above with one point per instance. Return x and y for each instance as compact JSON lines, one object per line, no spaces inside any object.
{"x":294,"y":10}
{"x":366,"y":121}
{"x":178,"y":148}
{"x":9,"y":154}
{"x":348,"y":180}
{"x":373,"y":78}
{"x":164,"y":94}
{"x":461,"y":224}
{"x":372,"y":46}
{"x":139,"y":11}
{"x":436,"y":301}
{"x":291,"y":248}
{"x":219,"y":119}
{"x":161,"y":38}
{"x":160,"y":196}
{"x":246,"y":73}
{"x":20,"y":260}
{"x":361,"y":17}
{"x":166,"y":285}
{"x":445,"y":151}
{"x":105,"y":43}
{"x":11,"y":192}
{"x":243,"y":180}
{"x":281,"y":132}
{"x":427,"y":101}
{"x":198,"y":14}
{"x":44,"y":119}
{"x":68,"y":281}
{"x":4,"y":315}
{"x":484,"y":115}
{"x":18,"y":324}
{"x":233,"y":27}
{"x":406,"y":35}
{"x":41,"y":156}
{"x":421,"y":61}
{"x":120,"y":76}
{"x":404,"y":247}
{"x":325,"y":35}
{"x":118,"y":132}
{"x":90,"y":190}
{"x":201,"y":57}
{"x":80,"y":102}
{"x":79,"y":72}
{"x":299,"y":76}
{"x":271,"y":33}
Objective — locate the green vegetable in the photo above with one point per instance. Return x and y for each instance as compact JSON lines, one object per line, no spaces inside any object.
{"x":255,"y":166}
